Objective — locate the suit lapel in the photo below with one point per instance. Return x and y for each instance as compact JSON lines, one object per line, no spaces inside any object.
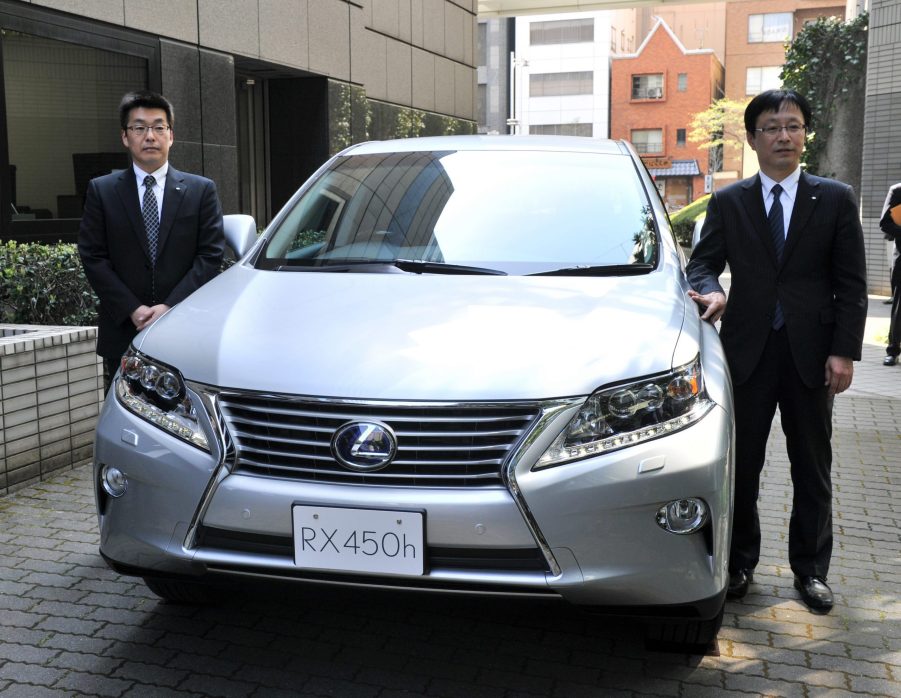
{"x":127,"y":189}
{"x":752,"y":201}
{"x":806,"y":199}
{"x":172,"y":197}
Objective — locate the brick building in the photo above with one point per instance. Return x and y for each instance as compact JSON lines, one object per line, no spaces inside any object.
{"x":756,"y":33}
{"x":654,"y":93}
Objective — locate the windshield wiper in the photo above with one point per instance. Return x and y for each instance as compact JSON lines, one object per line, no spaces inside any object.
{"x":416,"y":266}
{"x":419,"y":266}
{"x":599,"y":270}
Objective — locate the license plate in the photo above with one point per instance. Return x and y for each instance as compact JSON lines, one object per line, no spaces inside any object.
{"x":358,"y":540}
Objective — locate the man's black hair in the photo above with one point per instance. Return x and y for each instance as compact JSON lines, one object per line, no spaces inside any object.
{"x":772,"y":100}
{"x":147,"y":100}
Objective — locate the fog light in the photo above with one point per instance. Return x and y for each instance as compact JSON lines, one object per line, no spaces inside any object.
{"x":114,"y":481}
{"x":683,"y":515}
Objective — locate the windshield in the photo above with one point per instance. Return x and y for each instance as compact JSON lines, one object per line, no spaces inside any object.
{"x":517,"y":212}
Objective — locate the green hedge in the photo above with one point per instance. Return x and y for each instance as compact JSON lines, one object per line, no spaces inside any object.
{"x":44,"y":285}
{"x":683,"y":220}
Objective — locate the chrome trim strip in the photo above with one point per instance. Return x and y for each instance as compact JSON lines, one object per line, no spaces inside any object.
{"x":209,"y":400}
{"x":508,"y":473}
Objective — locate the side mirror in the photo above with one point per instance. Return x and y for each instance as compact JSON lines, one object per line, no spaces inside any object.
{"x":240,"y":233}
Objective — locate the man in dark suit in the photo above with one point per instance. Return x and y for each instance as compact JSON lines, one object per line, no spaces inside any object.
{"x":888,"y":223}
{"x":791,"y":330}
{"x":150,"y":235}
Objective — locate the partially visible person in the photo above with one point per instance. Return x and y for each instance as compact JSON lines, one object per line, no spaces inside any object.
{"x":150,"y":235}
{"x":791,"y":329}
{"x":890,"y":224}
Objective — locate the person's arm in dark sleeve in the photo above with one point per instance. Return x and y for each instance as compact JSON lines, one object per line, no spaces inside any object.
{"x":210,"y":247}
{"x":116,"y":298}
{"x":849,"y":281}
{"x":708,"y":260}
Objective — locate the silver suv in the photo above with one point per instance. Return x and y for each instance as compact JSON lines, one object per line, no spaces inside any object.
{"x":462,"y":363}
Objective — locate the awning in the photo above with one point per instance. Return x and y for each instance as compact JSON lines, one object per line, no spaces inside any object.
{"x":679,"y":168}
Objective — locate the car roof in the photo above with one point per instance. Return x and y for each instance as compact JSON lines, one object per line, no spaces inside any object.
{"x":523,"y":143}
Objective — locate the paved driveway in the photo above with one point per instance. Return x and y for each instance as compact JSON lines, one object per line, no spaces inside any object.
{"x":70,"y":626}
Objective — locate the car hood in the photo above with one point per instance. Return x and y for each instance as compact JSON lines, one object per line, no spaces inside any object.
{"x":420,"y":337}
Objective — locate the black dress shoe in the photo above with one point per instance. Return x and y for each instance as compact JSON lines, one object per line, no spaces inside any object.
{"x":890,"y":361}
{"x":815,"y":593}
{"x":738,"y":583}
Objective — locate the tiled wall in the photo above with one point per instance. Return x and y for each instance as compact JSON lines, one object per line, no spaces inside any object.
{"x":50,"y":394}
{"x":882,"y":134}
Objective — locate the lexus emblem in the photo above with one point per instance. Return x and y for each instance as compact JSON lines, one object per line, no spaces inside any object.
{"x":364,"y":446}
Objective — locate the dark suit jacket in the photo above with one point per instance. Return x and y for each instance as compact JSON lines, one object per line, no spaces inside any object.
{"x":821,"y":281}
{"x":112,"y":243}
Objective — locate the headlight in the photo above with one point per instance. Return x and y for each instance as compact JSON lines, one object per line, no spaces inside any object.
{"x":630,"y":414}
{"x":158,"y":393}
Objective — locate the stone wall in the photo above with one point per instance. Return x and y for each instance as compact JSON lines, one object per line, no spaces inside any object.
{"x":51,"y":389}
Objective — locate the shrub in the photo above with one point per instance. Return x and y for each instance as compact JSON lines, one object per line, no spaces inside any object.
{"x":683,"y":220}
{"x":44,"y":285}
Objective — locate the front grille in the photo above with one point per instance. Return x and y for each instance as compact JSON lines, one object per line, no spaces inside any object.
{"x":469,"y":559}
{"x":438,"y":444}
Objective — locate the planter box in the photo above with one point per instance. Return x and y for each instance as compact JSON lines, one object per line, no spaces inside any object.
{"x":51,"y":390}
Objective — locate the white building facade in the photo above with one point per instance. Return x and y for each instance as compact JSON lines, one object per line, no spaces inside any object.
{"x":561,"y":71}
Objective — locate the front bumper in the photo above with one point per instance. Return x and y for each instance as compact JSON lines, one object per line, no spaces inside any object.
{"x":583,"y":531}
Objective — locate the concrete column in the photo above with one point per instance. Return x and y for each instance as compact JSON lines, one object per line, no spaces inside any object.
{"x":882,"y":133}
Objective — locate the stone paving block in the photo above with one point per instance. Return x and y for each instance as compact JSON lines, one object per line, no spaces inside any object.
{"x":851,"y":667}
{"x":862,"y":685}
{"x":30,"y":673}
{"x":398,"y":680}
{"x":145,"y":691}
{"x":94,"y":684}
{"x":270,"y":678}
{"x":85,"y":662}
{"x":69,"y":625}
{"x":218,"y":686}
{"x":82,"y":644}
{"x":766,"y":687}
{"x":10,"y":690}
{"x":150,"y":674}
{"x":210,"y":666}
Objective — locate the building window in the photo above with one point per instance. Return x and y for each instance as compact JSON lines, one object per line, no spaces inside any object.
{"x":62,"y":122}
{"x":612,"y":39}
{"x":561,"y":84}
{"x":563,"y":31}
{"x":762,"y":78}
{"x":483,"y":108}
{"x":483,"y":43}
{"x":561,"y":130}
{"x":647,"y":86}
{"x":648,"y":141}
{"x":683,"y":82}
{"x":770,"y":28}
{"x":680,"y":137}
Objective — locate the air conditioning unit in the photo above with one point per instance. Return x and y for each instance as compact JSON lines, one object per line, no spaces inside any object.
{"x":655,"y":93}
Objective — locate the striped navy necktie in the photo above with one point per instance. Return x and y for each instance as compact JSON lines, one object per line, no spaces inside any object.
{"x":777,"y":230}
{"x":151,"y":216}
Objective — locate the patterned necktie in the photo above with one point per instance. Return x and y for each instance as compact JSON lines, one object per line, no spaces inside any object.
{"x":777,"y":230}
{"x":151,"y":215}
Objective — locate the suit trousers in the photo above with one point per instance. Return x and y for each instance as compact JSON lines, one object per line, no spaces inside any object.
{"x":806,"y":415}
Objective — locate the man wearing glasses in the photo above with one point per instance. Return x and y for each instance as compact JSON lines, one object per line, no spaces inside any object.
{"x":150,"y":235}
{"x":791,"y":329}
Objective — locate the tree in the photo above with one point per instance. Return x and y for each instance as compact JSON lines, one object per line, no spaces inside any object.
{"x":720,"y":125}
{"x":827,"y":63}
